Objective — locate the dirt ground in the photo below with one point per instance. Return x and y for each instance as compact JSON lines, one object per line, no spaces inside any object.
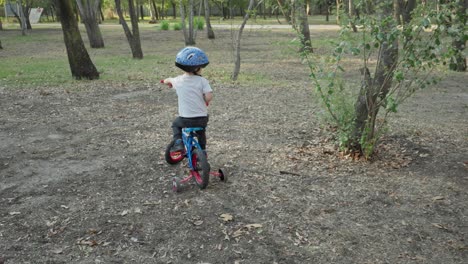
{"x":83,"y":178}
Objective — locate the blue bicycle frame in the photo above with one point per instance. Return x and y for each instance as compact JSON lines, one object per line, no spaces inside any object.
{"x":190,"y":143}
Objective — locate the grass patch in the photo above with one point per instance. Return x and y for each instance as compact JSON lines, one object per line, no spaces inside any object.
{"x":30,"y":72}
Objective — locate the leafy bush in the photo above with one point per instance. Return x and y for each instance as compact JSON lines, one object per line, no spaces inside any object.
{"x":164,"y":25}
{"x":199,"y":23}
{"x":178,"y":26}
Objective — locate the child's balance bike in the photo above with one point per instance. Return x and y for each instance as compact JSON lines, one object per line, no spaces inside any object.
{"x":197,"y":161}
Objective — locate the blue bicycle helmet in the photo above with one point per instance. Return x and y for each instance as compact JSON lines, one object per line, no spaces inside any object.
{"x":189,"y":59}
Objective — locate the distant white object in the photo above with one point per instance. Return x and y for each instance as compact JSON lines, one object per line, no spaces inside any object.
{"x":35,"y":14}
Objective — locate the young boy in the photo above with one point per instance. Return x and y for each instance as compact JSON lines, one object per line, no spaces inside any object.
{"x":194,"y":94}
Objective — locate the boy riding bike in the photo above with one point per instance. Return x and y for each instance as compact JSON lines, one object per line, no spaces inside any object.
{"x":194,"y":93}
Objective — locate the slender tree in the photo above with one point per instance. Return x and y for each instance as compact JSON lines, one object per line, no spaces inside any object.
{"x":133,"y":36}
{"x":296,"y":14}
{"x":89,"y":11}
{"x":303,"y":22}
{"x":209,"y":29}
{"x":81,"y":65}
{"x":237,"y":46}
{"x":459,"y":36}
{"x":367,"y":105}
{"x":188,"y":33}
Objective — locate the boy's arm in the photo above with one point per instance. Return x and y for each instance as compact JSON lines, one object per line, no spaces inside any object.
{"x":208,"y":96}
{"x":167,"y":81}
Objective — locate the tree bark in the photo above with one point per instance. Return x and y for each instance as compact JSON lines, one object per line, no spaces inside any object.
{"x":89,"y":15}
{"x":406,"y":9}
{"x":237,"y":61}
{"x":286,"y":11}
{"x":376,"y":89}
{"x":174,"y":9}
{"x":81,"y":65}
{"x":351,"y":12}
{"x":338,"y":10}
{"x":188,"y":33}
{"x":209,"y":29}
{"x":133,"y":36}
{"x":458,"y":61}
{"x":154,"y":13}
{"x":304,"y":28}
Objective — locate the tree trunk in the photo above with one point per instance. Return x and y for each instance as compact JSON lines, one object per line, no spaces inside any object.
{"x":133,"y":36}
{"x":237,"y":62}
{"x":373,"y":91}
{"x":406,"y":9}
{"x":458,"y":61}
{"x":81,"y":65}
{"x":338,"y":10}
{"x":154,"y":13}
{"x":286,"y":11}
{"x":20,"y":17}
{"x":191,"y":38}
{"x":209,"y":29}
{"x":1,"y":25}
{"x":351,"y":12}
{"x":304,"y":28}
{"x":188,"y":33}
{"x":327,"y":11}
{"x":28,"y":11}
{"x":89,"y":15}
{"x":142,"y":13}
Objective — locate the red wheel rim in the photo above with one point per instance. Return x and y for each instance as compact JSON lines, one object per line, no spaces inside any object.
{"x":195,"y":173}
{"x":176,"y":155}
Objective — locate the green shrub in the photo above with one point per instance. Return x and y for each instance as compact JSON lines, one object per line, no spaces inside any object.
{"x":199,"y":23}
{"x":178,"y":26}
{"x":164,"y":25}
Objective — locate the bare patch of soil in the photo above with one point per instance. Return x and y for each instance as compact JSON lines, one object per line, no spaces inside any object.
{"x":83,"y":178}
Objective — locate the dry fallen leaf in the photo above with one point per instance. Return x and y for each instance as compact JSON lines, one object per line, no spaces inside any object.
{"x":197,"y":223}
{"x":90,"y":243}
{"x":440,"y":226}
{"x":124,"y":213}
{"x":57,"y":251}
{"x":250,"y":226}
{"x":438,"y":198}
{"x":238,"y":233}
{"x":226,"y":217}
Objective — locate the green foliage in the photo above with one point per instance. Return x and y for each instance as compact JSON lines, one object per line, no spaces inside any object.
{"x":199,"y":23}
{"x":177,"y":26}
{"x":164,"y":25}
{"x":421,"y":50}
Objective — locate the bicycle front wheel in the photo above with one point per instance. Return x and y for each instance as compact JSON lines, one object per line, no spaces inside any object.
{"x":200,"y":168}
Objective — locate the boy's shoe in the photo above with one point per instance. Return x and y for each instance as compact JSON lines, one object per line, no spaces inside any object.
{"x":177,"y":146}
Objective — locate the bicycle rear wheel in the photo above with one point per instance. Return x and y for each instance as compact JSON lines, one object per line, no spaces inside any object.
{"x":201,"y":168}
{"x":173,"y":157}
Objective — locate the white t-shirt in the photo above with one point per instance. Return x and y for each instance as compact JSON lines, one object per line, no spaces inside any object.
{"x":190,"y":90}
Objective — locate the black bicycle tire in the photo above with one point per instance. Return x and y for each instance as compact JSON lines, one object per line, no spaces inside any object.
{"x":167,"y":155}
{"x":202,"y":167}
